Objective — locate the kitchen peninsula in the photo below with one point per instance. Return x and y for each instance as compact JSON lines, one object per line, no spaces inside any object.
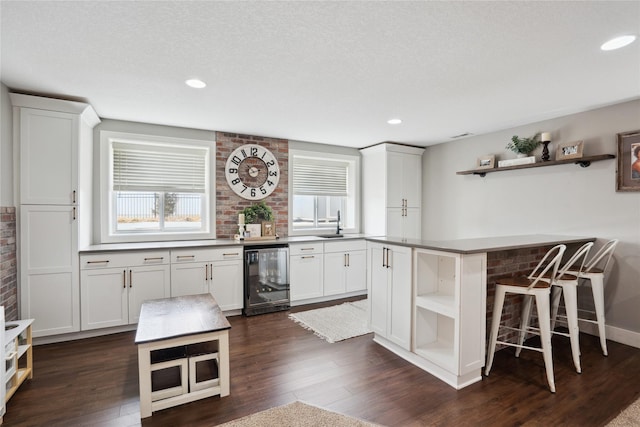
{"x":429,"y":299}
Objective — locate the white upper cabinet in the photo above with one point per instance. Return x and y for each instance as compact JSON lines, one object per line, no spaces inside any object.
{"x":392,"y":190}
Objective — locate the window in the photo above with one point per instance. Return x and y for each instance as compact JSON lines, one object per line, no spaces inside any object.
{"x":321,"y":186}
{"x":155,"y":188}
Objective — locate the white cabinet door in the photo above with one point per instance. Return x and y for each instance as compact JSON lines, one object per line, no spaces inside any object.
{"x":48,"y":153}
{"x":335,"y":269}
{"x":104,"y":298}
{"x":356,"y":271}
{"x":412,"y":224}
{"x":147,"y":283}
{"x":305,"y":276}
{"x":399,"y":327}
{"x":412,"y":180}
{"x":50,"y":288}
{"x":226,"y":284}
{"x":395,"y":222}
{"x":395,"y":180}
{"x":390,"y":293}
{"x":189,"y":279}
{"x":378,"y":289}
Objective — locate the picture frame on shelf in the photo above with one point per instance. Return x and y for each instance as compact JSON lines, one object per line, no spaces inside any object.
{"x":628,"y":173}
{"x":486,"y":162}
{"x":569,"y":150}
{"x":268,"y":229}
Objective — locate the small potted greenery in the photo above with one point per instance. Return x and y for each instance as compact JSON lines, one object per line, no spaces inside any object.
{"x":257,"y":213}
{"x":524,"y":146}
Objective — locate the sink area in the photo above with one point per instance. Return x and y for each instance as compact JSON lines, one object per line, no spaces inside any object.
{"x":10,"y":326}
{"x":331,"y":236}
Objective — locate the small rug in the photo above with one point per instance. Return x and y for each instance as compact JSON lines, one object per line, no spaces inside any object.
{"x":630,"y":417}
{"x":336,"y":323}
{"x":297,"y":414}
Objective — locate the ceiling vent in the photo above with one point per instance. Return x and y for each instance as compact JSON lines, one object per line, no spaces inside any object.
{"x":462,"y":135}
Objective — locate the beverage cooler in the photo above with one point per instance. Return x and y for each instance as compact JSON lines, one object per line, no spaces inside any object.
{"x":266,"y":279}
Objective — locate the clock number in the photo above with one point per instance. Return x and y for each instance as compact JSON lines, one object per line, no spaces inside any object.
{"x":271,"y":163}
{"x":273,"y":173}
{"x":262,"y":190}
{"x":235,"y":181}
{"x":254,"y":151}
{"x":270,"y":183}
{"x":244,"y":153}
{"x":253,"y":192}
{"x":236,"y":160}
{"x":244,"y":187}
{"x":233,"y":170}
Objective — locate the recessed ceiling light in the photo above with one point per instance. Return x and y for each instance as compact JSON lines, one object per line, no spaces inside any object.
{"x":394,"y":121}
{"x":195,"y":83}
{"x":618,"y":42}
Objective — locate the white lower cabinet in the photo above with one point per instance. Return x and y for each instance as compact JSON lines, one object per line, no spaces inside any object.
{"x":306,"y":270}
{"x":113,"y":286}
{"x":390,"y":292}
{"x":204,"y":270}
{"x":345,"y":267}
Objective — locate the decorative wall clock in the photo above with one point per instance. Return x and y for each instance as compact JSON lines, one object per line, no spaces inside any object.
{"x":252,"y":172}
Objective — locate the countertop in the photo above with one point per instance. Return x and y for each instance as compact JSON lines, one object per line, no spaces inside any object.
{"x":461,"y":246}
{"x":212,"y":243}
{"x":485,"y":244}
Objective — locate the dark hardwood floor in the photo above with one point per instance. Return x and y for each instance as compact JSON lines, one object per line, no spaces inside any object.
{"x":94,"y":382}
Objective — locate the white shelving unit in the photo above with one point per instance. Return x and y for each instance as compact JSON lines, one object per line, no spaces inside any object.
{"x":18,"y":354}
{"x":449,"y":305}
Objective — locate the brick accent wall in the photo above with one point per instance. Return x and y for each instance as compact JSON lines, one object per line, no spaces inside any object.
{"x":8,"y":266}
{"x":229,"y":204}
{"x":503,"y":264}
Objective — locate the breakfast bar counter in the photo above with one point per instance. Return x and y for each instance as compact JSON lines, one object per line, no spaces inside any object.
{"x":430,"y":300}
{"x":173,"y":325}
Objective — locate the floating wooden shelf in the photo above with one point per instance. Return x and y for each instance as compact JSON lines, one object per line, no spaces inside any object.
{"x":583,"y":161}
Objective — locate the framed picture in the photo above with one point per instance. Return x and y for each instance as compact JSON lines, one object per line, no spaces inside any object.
{"x":486,"y":162}
{"x":570,"y":150}
{"x":254,"y":230}
{"x":628,"y":175}
{"x":268,"y":228}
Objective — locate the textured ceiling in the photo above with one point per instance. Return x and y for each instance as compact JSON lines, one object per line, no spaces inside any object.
{"x":327,"y":72}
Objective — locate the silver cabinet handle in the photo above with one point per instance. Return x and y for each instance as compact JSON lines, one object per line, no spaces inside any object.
{"x":206,"y":272}
{"x":98,"y":262}
{"x":210,"y":271}
{"x":73,"y":198}
{"x":231,"y":254}
{"x":306,"y":257}
{"x":306,"y":249}
{"x":124,"y":279}
{"x":185,"y":256}
{"x":131,"y":278}
{"x":158,"y":258}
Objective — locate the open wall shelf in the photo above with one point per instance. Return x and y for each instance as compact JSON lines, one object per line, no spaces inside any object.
{"x":582,"y":161}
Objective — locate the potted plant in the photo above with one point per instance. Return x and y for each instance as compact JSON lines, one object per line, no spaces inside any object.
{"x":257,"y":213}
{"x":523,"y":146}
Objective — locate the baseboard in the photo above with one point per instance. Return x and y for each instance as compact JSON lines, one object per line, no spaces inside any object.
{"x":328,"y":298}
{"x":619,"y":335}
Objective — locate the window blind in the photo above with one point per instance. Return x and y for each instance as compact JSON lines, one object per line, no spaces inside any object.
{"x":158,"y":167}
{"x":314,"y":177}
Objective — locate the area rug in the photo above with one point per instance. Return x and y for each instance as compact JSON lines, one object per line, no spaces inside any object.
{"x":297,"y":414}
{"x":630,"y":417}
{"x":336,"y":323}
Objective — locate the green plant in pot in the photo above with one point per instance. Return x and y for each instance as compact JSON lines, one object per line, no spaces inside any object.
{"x":524,"y":146}
{"x":257,"y":213}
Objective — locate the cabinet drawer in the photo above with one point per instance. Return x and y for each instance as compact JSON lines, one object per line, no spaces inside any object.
{"x":306,"y":248}
{"x":123,"y":259}
{"x":179,"y":256}
{"x":345,"y":246}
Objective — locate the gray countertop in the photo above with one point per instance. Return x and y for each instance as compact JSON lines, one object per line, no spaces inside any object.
{"x":462,"y":246}
{"x":485,"y":244}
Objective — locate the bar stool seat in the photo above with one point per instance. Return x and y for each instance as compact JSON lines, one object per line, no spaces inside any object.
{"x":531,"y":286}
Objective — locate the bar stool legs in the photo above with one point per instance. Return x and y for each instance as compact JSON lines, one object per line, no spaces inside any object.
{"x":597,"y":287}
{"x":541,"y":296}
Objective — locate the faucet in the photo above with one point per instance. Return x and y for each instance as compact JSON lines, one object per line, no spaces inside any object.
{"x":338,"y":224}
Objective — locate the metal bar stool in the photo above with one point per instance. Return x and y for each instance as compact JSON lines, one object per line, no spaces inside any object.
{"x":531,"y":285}
{"x":565,"y":285}
{"x":594,"y":271}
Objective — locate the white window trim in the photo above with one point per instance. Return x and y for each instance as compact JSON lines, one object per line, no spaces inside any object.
{"x":105,"y":201}
{"x":355,"y":186}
